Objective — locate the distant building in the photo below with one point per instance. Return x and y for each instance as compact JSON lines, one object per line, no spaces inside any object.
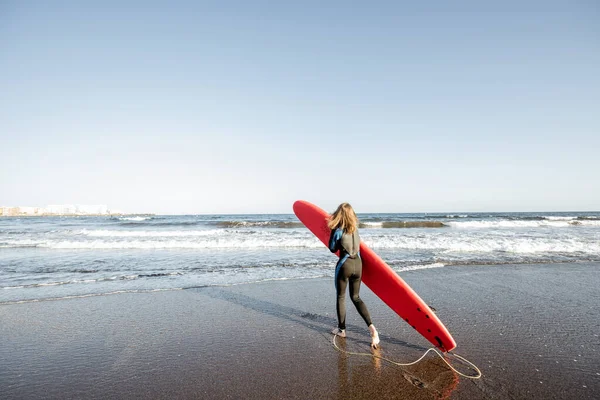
{"x":28,"y":210}
{"x":56,"y":209}
{"x":9,"y":211}
{"x":60,"y":209}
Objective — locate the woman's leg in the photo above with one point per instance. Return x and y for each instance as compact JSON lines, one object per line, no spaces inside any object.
{"x":361,"y":307}
{"x":341,"y":281}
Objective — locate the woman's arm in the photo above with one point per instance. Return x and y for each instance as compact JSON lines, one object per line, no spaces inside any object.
{"x":334,"y":240}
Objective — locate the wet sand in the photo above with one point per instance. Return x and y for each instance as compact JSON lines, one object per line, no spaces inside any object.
{"x":533,"y":330}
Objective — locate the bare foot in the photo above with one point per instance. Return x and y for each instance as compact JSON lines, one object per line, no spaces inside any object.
{"x":374,"y":336}
{"x":339,"y":332}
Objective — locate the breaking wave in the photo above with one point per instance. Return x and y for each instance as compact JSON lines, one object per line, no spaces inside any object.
{"x":403,"y":224}
{"x":467,"y":243}
{"x":556,"y":222}
{"x":136,"y":219}
{"x":84,"y":281}
{"x":261,"y":224}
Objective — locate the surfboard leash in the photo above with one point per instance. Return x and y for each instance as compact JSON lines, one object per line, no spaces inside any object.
{"x":436,"y":351}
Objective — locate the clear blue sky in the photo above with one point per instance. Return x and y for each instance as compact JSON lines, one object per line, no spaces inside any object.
{"x":234,"y":107}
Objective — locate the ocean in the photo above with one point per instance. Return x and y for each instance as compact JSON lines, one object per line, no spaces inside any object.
{"x":44,"y":258}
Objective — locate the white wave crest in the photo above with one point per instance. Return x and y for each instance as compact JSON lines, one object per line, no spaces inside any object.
{"x":209,"y":243}
{"x":136,"y":219}
{"x":102,"y":279}
{"x":559,"y":218}
{"x":372,"y":224}
{"x":586,"y":222}
{"x":555,"y":223}
{"x":133,"y":233}
{"x":456,"y":242}
{"x":489,"y":244}
{"x":418,"y":267}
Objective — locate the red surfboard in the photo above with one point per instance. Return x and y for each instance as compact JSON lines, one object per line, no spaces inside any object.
{"x":384,"y":282}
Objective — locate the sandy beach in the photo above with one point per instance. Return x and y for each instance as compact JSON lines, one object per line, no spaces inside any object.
{"x":533,"y":330}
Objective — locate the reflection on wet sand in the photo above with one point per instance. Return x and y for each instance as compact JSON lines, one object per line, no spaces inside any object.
{"x":366,"y":377}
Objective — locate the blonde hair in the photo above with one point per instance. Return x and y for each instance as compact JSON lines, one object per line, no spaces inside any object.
{"x":344,"y":217}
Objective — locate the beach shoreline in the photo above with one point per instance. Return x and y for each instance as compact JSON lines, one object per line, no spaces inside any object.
{"x":531,"y":329}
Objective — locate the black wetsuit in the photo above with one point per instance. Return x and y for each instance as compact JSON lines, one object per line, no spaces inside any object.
{"x":348,"y":268}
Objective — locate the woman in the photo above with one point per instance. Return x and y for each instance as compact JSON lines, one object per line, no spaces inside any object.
{"x":344,"y":238}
